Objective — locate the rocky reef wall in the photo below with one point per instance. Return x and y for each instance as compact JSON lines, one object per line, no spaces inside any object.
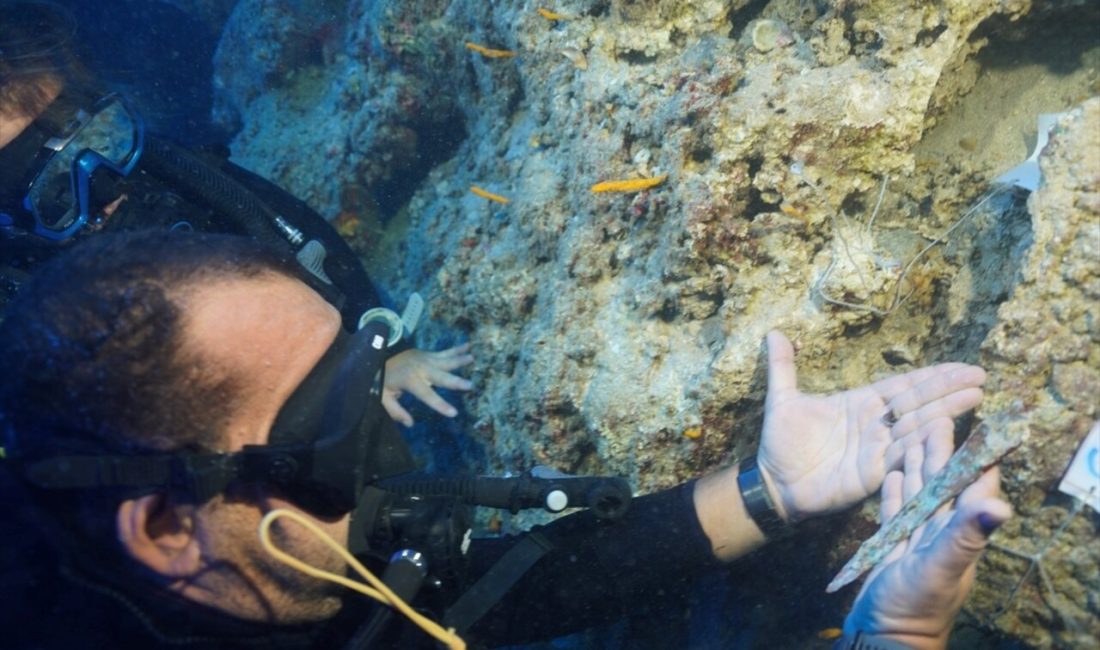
{"x":826,"y":172}
{"x":1041,"y":580}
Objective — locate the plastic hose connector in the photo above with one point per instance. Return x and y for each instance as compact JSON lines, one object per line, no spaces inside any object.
{"x":392,"y":320}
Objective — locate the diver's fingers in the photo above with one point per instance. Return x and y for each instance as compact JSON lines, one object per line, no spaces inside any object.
{"x":895,"y":451}
{"x":988,"y":485}
{"x":447,"y":380}
{"x":937,"y":451}
{"x":781,"y":369}
{"x":456,"y":351}
{"x":425,"y":394}
{"x":956,"y":547}
{"x":395,"y":410}
{"x":948,"y":406}
{"x":891,"y":503}
{"x":913,"y":481}
{"x":452,"y":363}
{"x":891,"y":497}
{"x":450,"y":359}
{"x":908,"y":391}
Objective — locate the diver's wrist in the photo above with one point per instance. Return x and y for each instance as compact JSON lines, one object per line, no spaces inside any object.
{"x":778,"y":495}
{"x":760,"y":499}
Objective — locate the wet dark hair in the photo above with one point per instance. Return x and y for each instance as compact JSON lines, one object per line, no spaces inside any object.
{"x":92,"y":348}
{"x":92,"y":359}
{"x":37,"y":46}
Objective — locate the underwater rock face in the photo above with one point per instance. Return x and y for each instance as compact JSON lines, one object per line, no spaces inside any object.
{"x":338,"y":102}
{"x":1043,"y":358}
{"x":622,"y":332}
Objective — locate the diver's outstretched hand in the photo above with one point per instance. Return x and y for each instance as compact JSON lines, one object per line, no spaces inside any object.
{"x":915,"y":594}
{"x":417,"y":372}
{"x":819,"y":454}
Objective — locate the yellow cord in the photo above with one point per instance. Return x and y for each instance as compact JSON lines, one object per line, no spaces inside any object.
{"x":381,"y":592}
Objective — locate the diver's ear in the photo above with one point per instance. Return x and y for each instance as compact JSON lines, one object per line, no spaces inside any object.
{"x":160,"y":535}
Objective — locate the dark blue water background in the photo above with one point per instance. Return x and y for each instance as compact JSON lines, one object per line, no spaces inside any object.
{"x":159,"y":56}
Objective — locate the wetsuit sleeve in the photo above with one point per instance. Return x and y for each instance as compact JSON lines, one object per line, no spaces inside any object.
{"x":597,"y":571}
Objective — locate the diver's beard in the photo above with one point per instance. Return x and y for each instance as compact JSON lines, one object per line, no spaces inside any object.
{"x":303,"y":597}
{"x":242,"y":579}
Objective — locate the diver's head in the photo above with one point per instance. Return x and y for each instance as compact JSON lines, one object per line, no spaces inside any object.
{"x":37,"y":56}
{"x":61,"y":174}
{"x":63,"y":143}
{"x":187,"y":354}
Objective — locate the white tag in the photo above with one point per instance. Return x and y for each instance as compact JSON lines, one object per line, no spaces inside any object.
{"x":1026,"y":175}
{"x":1082,"y":479}
{"x":377,"y":342}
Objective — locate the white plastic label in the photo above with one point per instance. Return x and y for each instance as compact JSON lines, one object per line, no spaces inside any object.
{"x":1026,"y":175}
{"x":1082,"y":479}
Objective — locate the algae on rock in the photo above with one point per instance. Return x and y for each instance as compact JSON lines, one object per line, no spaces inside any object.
{"x":1043,"y":358}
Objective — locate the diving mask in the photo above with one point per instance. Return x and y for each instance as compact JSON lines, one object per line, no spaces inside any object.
{"x":330,"y":440}
{"x":48,"y":173}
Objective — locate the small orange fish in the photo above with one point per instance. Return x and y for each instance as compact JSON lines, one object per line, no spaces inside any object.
{"x":551,"y":15}
{"x":486,"y":194}
{"x":693,"y":433}
{"x":631,"y":185}
{"x":792,"y":211}
{"x":490,"y":53}
{"x":830,"y":633}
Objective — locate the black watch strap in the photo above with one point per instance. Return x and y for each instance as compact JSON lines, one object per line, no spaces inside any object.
{"x":758,"y":502}
{"x":863,"y":641}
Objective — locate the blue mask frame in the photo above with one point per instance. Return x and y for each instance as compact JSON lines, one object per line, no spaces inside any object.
{"x":75,"y":143}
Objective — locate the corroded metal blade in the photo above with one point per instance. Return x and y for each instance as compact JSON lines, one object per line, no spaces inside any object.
{"x":983,"y":448}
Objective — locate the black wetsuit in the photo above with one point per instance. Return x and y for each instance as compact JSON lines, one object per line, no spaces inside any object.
{"x":596,"y":573}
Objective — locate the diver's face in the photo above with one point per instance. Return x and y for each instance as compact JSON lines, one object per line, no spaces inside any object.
{"x":265,"y":334}
{"x":11,"y":125}
{"x":14,"y":121}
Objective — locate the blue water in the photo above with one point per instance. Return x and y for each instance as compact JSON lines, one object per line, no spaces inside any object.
{"x":159,"y":56}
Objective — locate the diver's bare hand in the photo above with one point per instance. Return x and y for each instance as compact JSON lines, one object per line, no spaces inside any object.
{"x":418,"y":372}
{"x":819,"y":454}
{"x":915,"y":594}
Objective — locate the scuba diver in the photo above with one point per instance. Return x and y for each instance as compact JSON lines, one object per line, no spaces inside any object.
{"x":177,"y":439}
{"x":189,"y":411}
{"x":76,"y":160}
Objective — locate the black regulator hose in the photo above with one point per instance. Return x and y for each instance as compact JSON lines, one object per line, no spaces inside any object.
{"x":608,"y":497}
{"x":201,"y":182}
{"x":258,"y":208}
{"x":404,"y":575}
